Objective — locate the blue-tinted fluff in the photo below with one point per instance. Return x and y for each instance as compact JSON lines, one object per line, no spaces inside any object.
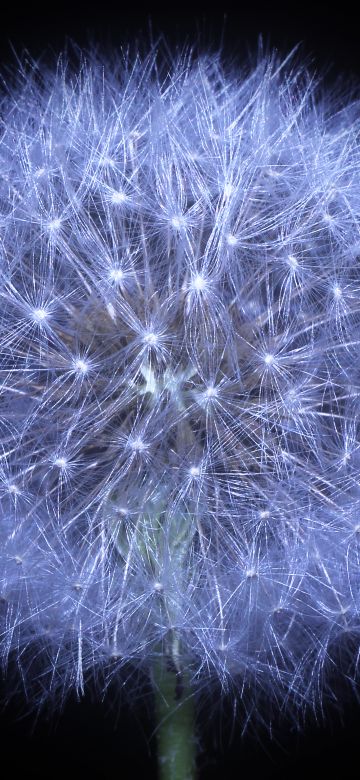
{"x":180,"y":375}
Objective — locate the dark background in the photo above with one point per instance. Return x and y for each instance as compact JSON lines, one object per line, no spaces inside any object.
{"x":106,"y":740}
{"x":329,"y":34}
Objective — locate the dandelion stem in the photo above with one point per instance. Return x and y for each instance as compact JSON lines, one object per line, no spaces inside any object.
{"x":174,"y":706}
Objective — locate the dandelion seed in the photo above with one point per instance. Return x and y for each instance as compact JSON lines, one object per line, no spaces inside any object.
{"x":116,"y":275}
{"x":269,"y":359}
{"x":40,"y":315}
{"x":231,"y":240}
{"x":292,"y":261}
{"x":158,"y":587}
{"x":39,"y":173}
{"x":328,"y":218}
{"x":81,"y":366}
{"x":111,"y":311}
{"x":211,"y":392}
{"x":151,"y":338}
{"x":138,"y":444}
{"x":77,"y":586}
{"x":13,"y":489}
{"x":106,"y":162}
{"x":251,"y":574}
{"x":199,"y":283}
{"x":178,"y":222}
{"x":54,"y":225}
{"x":118,"y":197}
{"x":229,"y":190}
{"x":61,"y":463}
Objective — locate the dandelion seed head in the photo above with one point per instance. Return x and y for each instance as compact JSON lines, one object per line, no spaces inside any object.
{"x":180,"y":382}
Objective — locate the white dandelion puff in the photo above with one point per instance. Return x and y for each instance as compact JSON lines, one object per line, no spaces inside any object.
{"x":180,"y":376}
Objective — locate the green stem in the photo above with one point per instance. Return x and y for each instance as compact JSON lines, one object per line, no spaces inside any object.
{"x":175,"y":722}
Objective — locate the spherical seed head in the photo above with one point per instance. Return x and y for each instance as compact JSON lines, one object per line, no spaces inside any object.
{"x":179,"y":405}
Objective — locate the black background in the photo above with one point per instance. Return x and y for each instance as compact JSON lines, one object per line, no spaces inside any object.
{"x":106,"y":740}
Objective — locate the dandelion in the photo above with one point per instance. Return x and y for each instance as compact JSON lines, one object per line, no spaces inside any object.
{"x":180,"y":383}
